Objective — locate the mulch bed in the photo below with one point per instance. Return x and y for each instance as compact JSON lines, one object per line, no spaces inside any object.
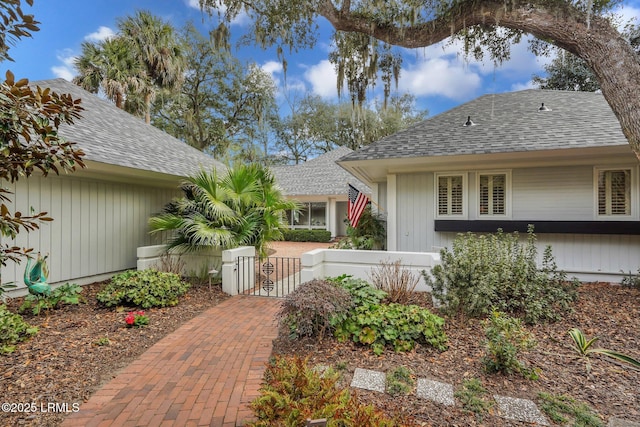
{"x":610,"y":312}
{"x":64,"y":364}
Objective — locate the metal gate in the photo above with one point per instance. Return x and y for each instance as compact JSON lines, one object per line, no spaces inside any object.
{"x":270,"y":276}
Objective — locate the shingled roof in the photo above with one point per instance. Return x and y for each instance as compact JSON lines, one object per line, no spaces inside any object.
{"x":110,"y":135}
{"x":507,"y":122}
{"x":318,"y":176}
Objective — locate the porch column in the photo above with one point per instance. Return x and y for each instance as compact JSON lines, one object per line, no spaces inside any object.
{"x":332,"y":217}
{"x":392,"y":226}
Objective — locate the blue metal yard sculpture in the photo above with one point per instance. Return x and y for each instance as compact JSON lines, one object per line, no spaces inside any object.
{"x":35,"y":277}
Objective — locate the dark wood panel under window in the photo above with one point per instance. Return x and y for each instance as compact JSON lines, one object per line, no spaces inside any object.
{"x":570,"y":227}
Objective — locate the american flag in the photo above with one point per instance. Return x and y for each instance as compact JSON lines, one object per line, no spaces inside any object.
{"x":357,"y":202}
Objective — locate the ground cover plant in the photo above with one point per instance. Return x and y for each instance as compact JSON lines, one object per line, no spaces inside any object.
{"x":608,"y":311}
{"x":293,"y":392}
{"x":143,"y":288}
{"x":78,"y":348}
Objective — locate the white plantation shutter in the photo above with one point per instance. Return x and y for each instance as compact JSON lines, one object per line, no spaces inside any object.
{"x":450,"y":190}
{"x":493,"y":194}
{"x":614,"y":192}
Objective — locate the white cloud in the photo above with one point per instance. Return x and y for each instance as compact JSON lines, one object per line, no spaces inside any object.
{"x":439,"y":76}
{"x":522,"y":86}
{"x":322,"y":78}
{"x":272,"y":67}
{"x":101,"y":34}
{"x":66,"y":70}
{"x":240,"y":20}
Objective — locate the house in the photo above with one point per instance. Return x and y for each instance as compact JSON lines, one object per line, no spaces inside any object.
{"x":101,"y":212}
{"x":554,"y":159}
{"x":321,"y":187}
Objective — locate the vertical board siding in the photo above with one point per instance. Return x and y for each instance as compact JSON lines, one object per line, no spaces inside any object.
{"x":97,"y":225}
{"x":415,"y":211}
{"x":542,"y":193}
{"x":536,"y":194}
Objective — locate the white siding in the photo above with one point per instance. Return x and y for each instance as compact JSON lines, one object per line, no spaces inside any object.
{"x":542,"y":193}
{"x":537,"y":194}
{"x":97,"y":225}
{"x":415,"y":212}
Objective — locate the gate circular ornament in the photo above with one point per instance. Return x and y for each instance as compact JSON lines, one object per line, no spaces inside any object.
{"x":268,"y":268}
{"x":267,"y":285}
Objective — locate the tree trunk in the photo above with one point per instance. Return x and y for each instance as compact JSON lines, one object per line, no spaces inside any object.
{"x":148,"y":96}
{"x":591,"y":38}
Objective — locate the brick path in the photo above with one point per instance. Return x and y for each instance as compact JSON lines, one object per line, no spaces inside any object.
{"x":203,"y":374}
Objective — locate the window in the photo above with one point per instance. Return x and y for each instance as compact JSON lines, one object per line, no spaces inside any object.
{"x":310,"y":215}
{"x":493,"y":194}
{"x":450,"y":190}
{"x":614,"y":192}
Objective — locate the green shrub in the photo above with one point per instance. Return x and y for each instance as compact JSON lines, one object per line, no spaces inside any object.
{"x":505,"y":340}
{"x":372,"y":323}
{"x":308,"y":310}
{"x":293,"y":392}
{"x":362,"y":293}
{"x":631,"y":280}
{"x":322,"y":236}
{"x":143,"y":288}
{"x":400,"y":381}
{"x":13,"y":329}
{"x":370,"y":234}
{"x":568,"y":412}
{"x":472,"y":397}
{"x":68,"y":294}
{"x":497,"y":271}
{"x":397,"y":325}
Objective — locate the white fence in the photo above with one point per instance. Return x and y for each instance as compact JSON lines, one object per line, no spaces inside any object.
{"x":192,"y":264}
{"x":321,"y":263}
{"x":316,"y":264}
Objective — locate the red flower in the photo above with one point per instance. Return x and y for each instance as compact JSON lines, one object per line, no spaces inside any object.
{"x":130,"y":319}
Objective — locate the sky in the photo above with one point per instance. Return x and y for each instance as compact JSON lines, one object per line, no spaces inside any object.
{"x":439,"y":76}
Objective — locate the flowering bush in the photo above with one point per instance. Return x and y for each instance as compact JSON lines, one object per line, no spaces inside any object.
{"x":136,"y":318}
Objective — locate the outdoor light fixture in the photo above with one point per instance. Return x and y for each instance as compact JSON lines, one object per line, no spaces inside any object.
{"x":544,"y":108}
{"x":469,"y":122}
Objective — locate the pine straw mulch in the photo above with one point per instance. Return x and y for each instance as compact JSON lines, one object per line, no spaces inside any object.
{"x":63,"y":363}
{"x":610,"y":312}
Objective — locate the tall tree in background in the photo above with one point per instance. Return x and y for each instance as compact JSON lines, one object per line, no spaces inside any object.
{"x":109,"y":66}
{"x":156,"y":46}
{"x":221,"y":106}
{"x":316,"y":126}
{"x":371,"y":27}
{"x":132,"y":66}
{"x":29,"y":140}
{"x":568,"y":72}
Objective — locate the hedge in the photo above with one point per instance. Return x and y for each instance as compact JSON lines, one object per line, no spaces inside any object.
{"x":322,"y":236}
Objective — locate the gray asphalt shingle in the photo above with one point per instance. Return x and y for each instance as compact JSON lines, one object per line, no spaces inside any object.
{"x":319,"y":176}
{"x":507,"y":122}
{"x":112,"y":136}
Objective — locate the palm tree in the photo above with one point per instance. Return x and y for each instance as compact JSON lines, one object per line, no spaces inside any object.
{"x":243,"y":207}
{"x":155,"y":44}
{"x":108,"y":66}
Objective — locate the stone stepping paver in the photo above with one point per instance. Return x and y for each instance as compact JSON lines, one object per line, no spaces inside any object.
{"x":617,"y":422}
{"x":369,"y":380}
{"x":436,"y":391}
{"x":520,"y":410}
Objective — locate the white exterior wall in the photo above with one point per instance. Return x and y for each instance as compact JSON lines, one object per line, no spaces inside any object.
{"x":537,"y":194}
{"x":96,"y":230}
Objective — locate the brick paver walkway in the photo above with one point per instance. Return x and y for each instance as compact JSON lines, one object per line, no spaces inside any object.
{"x":203,"y":374}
